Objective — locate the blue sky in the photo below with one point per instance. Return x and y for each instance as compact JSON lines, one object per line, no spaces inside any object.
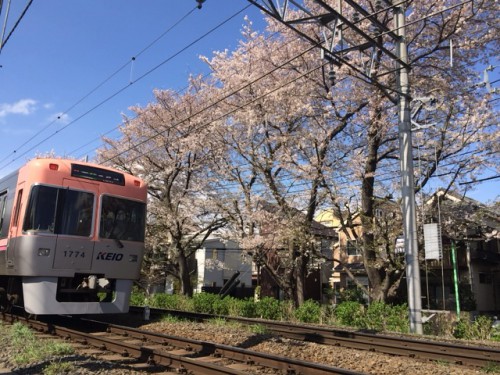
{"x":62,"y":50}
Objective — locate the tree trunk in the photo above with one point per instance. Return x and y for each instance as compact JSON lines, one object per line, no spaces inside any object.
{"x":184,"y":275}
{"x":300,"y":272}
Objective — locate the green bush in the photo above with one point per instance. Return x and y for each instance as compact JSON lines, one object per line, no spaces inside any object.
{"x":495,"y":334}
{"x":479,"y":329}
{"x":483,"y":327}
{"x":308,"y":312}
{"x":165,"y":301}
{"x":268,"y":308}
{"x":352,"y":295}
{"x":349,"y":313}
{"x":241,"y":307}
{"x":383,"y":317}
{"x":205,"y":302}
{"x":463,"y":329}
{"x":220,"y":306}
{"x":137,"y":298}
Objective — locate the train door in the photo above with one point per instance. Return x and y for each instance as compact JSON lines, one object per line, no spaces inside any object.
{"x":75,"y":239}
{"x":14,"y":230}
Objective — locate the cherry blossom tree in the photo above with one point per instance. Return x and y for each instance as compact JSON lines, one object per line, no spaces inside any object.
{"x":164,"y":144}
{"x":269,"y":139}
{"x":343,"y":140}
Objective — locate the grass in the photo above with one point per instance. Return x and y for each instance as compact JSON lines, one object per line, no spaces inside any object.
{"x":57,"y":368}
{"x":29,"y":349}
{"x":491,"y":368}
{"x":168,"y":318}
{"x":258,"y":329}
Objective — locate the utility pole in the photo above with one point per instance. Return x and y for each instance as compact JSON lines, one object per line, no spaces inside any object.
{"x":407,"y":184}
{"x":336,"y":47}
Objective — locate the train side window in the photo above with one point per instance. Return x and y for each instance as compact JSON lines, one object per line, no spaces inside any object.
{"x":18,"y":207}
{"x":3,"y":205}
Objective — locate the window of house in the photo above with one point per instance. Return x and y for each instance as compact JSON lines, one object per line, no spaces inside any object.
{"x":352,"y":248}
{"x":326,"y":245}
{"x":485,"y":278}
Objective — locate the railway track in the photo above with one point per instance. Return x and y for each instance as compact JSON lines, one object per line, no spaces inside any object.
{"x":466,"y":355}
{"x":143,"y":349}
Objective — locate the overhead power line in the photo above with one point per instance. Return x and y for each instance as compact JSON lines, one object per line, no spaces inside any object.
{"x":101,"y":84}
{"x":150,"y":71}
{"x":4,"y":42}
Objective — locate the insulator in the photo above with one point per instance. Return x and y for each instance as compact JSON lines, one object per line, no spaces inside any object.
{"x":331,"y":77}
{"x":378,"y":5}
{"x":374,"y":30}
{"x":355,"y":17}
{"x":200,"y":3}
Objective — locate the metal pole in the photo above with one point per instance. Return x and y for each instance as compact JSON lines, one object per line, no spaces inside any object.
{"x":455,"y":278}
{"x":407,"y":184}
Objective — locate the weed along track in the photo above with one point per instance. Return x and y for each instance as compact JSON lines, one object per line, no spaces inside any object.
{"x":220,"y":346}
{"x":149,"y":351}
{"x":464,"y":355}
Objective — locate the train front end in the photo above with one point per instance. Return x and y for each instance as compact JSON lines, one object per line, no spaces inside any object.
{"x":77,"y":237}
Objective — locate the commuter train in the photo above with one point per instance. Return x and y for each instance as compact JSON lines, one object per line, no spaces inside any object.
{"x":71,"y":237}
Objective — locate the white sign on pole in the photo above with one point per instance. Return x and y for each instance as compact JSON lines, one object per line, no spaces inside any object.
{"x":432,"y":241}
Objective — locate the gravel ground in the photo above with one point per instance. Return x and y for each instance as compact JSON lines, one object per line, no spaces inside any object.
{"x":230,"y":334}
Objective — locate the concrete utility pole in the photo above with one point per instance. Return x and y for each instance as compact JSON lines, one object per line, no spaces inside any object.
{"x":335,"y":48}
{"x":407,"y":184}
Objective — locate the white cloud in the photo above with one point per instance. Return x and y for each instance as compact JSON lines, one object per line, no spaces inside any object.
{"x":21,"y":107}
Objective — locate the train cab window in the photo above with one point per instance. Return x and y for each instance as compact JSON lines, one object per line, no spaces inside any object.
{"x":77,"y":212}
{"x":41,"y":210}
{"x":59,"y":211}
{"x":122,"y":219}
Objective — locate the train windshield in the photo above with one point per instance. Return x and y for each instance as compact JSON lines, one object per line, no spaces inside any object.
{"x":59,"y":211}
{"x":122,"y":219}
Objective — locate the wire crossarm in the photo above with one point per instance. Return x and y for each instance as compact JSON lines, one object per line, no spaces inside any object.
{"x":342,"y":32}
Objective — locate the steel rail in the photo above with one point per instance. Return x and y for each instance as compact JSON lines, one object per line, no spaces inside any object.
{"x":153,"y":349}
{"x":466,"y":355}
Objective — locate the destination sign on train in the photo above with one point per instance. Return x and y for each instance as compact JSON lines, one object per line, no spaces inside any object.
{"x":97,"y":174}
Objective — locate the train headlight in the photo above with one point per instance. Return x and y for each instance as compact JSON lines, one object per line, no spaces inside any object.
{"x":43,"y":252}
{"x":132,"y":258}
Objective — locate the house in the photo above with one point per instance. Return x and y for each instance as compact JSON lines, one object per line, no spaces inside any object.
{"x":316,"y":281}
{"x":472,"y":229}
{"x":219,"y":261}
{"x":467,"y":226}
{"x":348,"y":255}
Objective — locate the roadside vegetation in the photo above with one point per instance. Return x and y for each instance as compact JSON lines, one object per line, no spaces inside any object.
{"x":377,"y":316}
{"x":27,"y":348}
